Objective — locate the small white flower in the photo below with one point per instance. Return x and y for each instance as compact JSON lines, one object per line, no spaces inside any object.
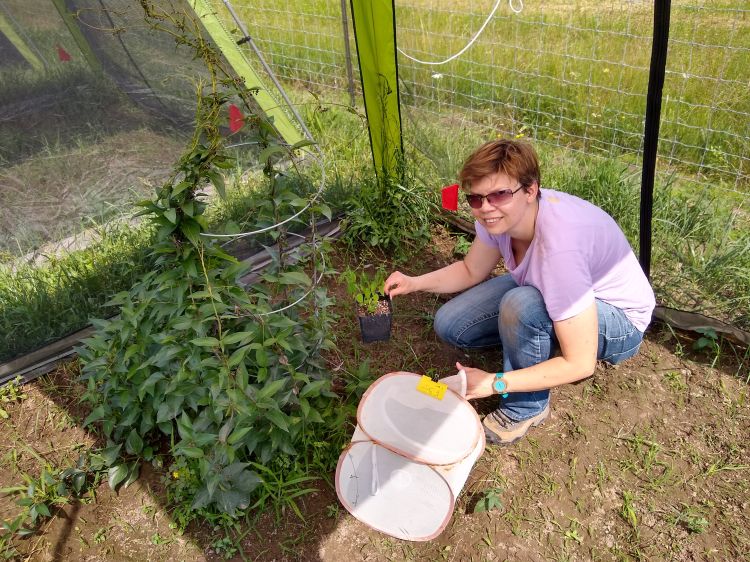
{"x":437,"y":76}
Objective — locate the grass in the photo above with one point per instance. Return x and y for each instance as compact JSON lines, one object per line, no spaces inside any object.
{"x":566,"y":74}
{"x":42,"y":303}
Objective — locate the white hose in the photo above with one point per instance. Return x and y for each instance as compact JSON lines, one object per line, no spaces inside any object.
{"x":473,"y":39}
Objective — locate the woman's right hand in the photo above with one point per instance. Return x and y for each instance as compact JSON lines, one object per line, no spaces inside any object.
{"x":399,"y":284}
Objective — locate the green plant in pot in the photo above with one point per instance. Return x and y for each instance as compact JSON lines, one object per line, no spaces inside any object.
{"x":374,"y":309}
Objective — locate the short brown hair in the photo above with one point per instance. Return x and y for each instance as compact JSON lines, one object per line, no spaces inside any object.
{"x":513,"y":158}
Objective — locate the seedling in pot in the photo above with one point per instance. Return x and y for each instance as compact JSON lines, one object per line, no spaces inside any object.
{"x":374,"y":308}
{"x":367,"y":291}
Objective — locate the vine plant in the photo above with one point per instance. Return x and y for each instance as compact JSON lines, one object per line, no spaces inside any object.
{"x":196,"y":365}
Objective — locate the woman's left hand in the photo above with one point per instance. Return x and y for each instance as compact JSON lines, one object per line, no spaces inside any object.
{"x":478,"y":382}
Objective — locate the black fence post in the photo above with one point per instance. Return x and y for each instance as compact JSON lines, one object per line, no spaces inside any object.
{"x":651,"y":130}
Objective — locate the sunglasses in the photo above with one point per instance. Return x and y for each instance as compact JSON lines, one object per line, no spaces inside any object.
{"x":495,"y":198}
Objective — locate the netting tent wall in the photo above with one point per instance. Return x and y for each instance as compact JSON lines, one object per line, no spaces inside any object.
{"x":95,"y":125}
{"x":105,"y":135}
{"x":572,"y":77}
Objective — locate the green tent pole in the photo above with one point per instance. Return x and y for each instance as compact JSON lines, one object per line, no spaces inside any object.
{"x":7,"y":30}
{"x":236,"y":58}
{"x":75,"y":31}
{"x":375,"y":36}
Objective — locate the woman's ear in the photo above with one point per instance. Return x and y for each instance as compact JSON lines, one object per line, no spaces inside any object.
{"x":532,"y":191}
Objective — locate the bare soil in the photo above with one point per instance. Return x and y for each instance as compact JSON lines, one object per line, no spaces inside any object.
{"x":648,"y":460}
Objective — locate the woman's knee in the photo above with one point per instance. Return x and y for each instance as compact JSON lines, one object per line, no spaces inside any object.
{"x":523,"y":306}
{"x":445,"y":323}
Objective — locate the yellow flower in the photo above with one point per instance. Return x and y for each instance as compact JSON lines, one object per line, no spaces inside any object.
{"x":175,"y":475}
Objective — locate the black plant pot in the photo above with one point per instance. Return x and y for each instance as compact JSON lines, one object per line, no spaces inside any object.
{"x":376,"y":327}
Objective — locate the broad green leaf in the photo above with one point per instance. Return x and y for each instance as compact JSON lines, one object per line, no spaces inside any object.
{"x":278,"y":419}
{"x":192,"y":452}
{"x":96,"y":414}
{"x":294,"y":278}
{"x":301,"y":144}
{"x":180,"y":187}
{"x":133,"y":473}
{"x":324,"y":210}
{"x":117,"y":474}
{"x":134,"y":443}
{"x":218,"y":180}
{"x":271,"y":151}
{"x":191,"y":230}
{"x":238,"y":434}
{"x":171,"y":215}
{"x":313,"y":387}
{"x":206,"y":342}
{"x":271,"y":388}
{"x":236,"y":337}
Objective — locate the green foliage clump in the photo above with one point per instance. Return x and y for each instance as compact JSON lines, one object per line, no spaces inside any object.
{"x":365,"y":289}
{"x":41,"y":303}
{"x":390,"y":214}
{"x":227,"y":377}
{"x":195,"y":358}
{"x":40,"y":496}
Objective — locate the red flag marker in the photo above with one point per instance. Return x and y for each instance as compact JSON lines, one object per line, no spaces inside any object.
{"x":236,"y":119}
{"x":62,"y":54}
{"x":449,"y":196}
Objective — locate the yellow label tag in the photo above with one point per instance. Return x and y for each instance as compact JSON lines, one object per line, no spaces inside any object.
{"x":434,"y":389}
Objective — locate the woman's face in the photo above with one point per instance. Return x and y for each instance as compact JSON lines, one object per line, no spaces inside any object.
{"x":512,"y":214}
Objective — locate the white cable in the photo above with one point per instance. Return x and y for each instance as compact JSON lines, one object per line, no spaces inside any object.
{"x":520,"y":6}
{"x":471,"y":41}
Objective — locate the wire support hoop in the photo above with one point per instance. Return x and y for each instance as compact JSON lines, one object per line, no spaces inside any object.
{"x":277,"y":225}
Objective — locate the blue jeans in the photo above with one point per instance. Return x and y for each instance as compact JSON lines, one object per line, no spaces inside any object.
{"x":498,"y":311}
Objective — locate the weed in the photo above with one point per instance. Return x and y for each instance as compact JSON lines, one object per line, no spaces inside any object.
{"x":573,"y":532}
{"x":708,"y":342}
{"x":100,"y":536}
{"x":358,"y":382}
{"x":675,"y":381}
{"x":389,"y":214}
{"x":281,"y":488}
{"x":10,"y":393}
{"x":333,"y":510}
{"x":627,"y":511}
{"x":462,"y":245}
{"x":157,"y":539}
{"x":548,"y":484}
{"x":489,"y":501}
{"x":7,"y":549}
{"x":690,"y":518}
{"x":224,"y":547}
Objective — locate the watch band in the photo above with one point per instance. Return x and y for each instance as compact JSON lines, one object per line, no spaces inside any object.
{"x":499,"y":385}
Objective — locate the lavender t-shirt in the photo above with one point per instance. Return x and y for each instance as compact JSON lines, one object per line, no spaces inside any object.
{"x":578,"y":254}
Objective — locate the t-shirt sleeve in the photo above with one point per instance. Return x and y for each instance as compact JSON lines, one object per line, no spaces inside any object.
{"x":567,"y":287}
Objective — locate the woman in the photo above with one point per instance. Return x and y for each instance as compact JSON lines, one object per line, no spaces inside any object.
{"x":574,"y":293}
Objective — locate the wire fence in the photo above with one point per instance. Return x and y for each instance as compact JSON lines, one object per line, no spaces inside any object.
{"x":569,"y":74}
{"x":572,"y":76}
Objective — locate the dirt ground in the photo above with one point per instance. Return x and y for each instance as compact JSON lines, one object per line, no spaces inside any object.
{"x":647,"y":460}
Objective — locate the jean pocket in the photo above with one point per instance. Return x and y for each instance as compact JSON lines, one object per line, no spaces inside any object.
{"x":617,"y":356}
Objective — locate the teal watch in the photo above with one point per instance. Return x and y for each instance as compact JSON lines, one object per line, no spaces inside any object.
{"x":500,"y":385}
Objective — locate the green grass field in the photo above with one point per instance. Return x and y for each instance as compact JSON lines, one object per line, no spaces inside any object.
{"x":570,"y":74}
